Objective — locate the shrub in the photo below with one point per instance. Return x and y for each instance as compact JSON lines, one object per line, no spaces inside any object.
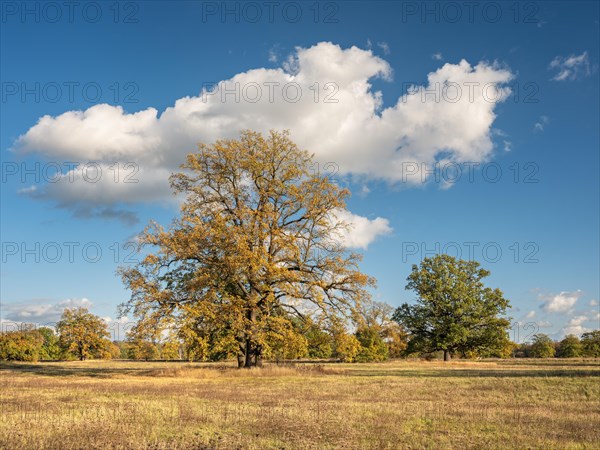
{"x":22,"y":345}
{"x":542,"y":347}
{"x":372,"y":345}
{"x":591,"y":344}
{"x":570,"y":347}
{"x":50,"y":349}
{"x":142,"y":350}
{"x":347,"y":347}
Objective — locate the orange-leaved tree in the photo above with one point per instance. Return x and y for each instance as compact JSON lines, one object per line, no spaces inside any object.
{"x":258,"y":242}
{"x":82,"y":333}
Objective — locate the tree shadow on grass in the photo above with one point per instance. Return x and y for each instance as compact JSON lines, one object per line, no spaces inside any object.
{"x":141,"y":368}
{"x":547,"y":362}
{"x":474,"y":373}
{"x":62,"y":369}
{"x":58,"y":370}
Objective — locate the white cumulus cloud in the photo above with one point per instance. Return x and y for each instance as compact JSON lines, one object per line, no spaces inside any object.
{"x":562,"y":302}
{"x":41,"y":312}
{"x":361,"y":231}
{"x":575,"y":325}
{"x":322,"y":94}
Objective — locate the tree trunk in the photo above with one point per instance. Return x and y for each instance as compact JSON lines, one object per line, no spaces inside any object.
{"x":258,"y":356}
{"x":249,"y":349}
{"x":446,"y":355}
{"x":248,"y":361}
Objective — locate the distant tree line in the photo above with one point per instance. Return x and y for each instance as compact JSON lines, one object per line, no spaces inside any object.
{"x":81,"y":335}
{"x":455,"y":315}
{"x":542,"y":346}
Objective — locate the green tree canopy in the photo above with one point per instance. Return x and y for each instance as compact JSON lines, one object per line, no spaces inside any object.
{"x":570,"y":347}
{"x":50,"y":348}
{"x":319,"y":341}
{"x":454,"y":311}
{"x":542,"y":346}
{"x":591,"y":343}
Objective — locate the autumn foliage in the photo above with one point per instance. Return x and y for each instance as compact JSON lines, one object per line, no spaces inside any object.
{"x":257,"y":244}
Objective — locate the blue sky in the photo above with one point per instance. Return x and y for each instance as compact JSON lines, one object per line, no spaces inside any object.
{"x":517,"y":163}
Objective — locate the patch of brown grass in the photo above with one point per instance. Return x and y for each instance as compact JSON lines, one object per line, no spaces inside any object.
{"x":404,"y":404}
{"x":222,"y":371}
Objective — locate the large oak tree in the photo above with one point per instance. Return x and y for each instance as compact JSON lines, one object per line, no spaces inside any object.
{"x":257,"y":243}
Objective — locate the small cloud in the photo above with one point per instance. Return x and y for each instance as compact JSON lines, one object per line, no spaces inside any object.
{"x":438,"y":56}
{"x":364,"y":191}
{"x":593,"y":302}
{"x":291,"y":65}
{"x":42,"y":312}
{"x":571,"y":67}
{"x":507,"y":146}
{"x":575,"y":325}
{"x":274,"y":53}
{"x":31,"y":190}
{"x":107,"y":213}
{"x":560,"y":303}
{"x":541,"y":124}
{"x":530,"y":315}
{"x":272,"y":56}
{"x":361,"y":231}
{"x":385,"y":47}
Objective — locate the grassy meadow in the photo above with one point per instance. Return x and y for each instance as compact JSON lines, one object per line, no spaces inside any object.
{"x":394,"y":405}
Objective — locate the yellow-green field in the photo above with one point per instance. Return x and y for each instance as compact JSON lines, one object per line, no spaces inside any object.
{"x":153,"y":405}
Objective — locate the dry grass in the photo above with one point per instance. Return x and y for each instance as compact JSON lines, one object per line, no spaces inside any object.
{"x":154,"y":405}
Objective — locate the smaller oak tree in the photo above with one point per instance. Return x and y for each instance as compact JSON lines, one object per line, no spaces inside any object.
{"x":81,"y":333}
{"x":454,"y":312}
